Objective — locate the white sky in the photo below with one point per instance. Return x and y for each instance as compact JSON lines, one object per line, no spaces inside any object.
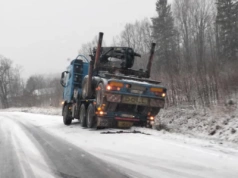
{"x":40,"y":35}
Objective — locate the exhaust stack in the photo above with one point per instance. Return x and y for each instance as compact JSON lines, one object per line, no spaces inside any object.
{"x":152,"y":51}
{"x":93,"y":66}
{"x":98,"y":50}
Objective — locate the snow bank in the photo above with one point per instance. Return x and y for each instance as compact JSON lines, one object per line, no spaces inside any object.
{"x":220,"y":123}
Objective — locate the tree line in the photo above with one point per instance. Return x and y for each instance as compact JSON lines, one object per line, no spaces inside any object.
{"x":196,"y":56}
{"x":197,"y":50}
{"x":37,"y":90}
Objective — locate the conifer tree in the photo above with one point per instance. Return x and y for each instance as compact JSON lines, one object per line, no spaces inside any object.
{"x":163,"y":30}
{"x":226,"y":21}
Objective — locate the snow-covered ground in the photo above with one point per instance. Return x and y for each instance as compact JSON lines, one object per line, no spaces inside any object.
{"x":219,"y":124}
{"x":36,"y":110}
{"x":160,"y":154}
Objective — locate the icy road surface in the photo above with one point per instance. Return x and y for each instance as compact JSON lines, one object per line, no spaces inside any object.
{"x":34,"y":145}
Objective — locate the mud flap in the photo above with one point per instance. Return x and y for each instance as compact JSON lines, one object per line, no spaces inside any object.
{"x":103,"y":122}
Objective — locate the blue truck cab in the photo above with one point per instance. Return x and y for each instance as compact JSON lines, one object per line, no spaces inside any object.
{"x":74,"y":76}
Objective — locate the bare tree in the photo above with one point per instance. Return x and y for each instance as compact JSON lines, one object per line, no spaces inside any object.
{"x":5,"y":66}
{"x":11,"y":86}
{"x":194,"y":20}
{"x":136,"y":35}
{"x":87,"y":48}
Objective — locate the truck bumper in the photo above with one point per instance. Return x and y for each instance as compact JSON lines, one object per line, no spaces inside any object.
{"x":119,"y":122}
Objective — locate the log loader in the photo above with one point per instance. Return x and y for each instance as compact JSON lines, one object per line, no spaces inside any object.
{"x":106,"y":92}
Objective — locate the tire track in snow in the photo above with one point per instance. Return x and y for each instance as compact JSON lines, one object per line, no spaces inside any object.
{"x":59,"y":158}
{"x":29,"y":159}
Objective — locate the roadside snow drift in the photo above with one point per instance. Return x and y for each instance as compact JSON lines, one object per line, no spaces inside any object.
{"x":219,"y":124}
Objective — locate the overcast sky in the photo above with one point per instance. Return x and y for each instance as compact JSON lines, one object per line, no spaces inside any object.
{"x":40,"y":35}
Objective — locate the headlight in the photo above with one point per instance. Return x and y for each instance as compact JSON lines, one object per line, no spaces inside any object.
{"x":152,"y":118}
{"x":101,"y":113}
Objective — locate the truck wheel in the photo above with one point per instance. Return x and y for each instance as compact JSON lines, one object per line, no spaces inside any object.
{"x":154,"y":111}
{"x":66,"y":115}
{"x":90,"y":116}
{"x":82,"y":115}
{"x":99,"y":95}
{"x":85,"y":88}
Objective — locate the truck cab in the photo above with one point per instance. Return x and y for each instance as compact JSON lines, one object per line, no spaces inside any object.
{"x":72,"y":78}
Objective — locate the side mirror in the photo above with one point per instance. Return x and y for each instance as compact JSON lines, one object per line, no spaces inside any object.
{"x":62,"y":80}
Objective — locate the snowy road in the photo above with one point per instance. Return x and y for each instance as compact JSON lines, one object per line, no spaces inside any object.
{"x":34,"y":145}
{"x":27,"y":151}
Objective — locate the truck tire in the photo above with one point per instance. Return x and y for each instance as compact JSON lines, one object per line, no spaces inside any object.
{"x":145,"y":110}
{"x":154,"y":111}
{"x":99,"y":95}
{"x":91,"y":116}
{"x":66,"y":115}
{"x":86,"y":95}
{"x":84,"y":88}
{"x":82,"y":115}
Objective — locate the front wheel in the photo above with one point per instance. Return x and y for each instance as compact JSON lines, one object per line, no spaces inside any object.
{"x":66,"y":115}
{"x":91,"y":122}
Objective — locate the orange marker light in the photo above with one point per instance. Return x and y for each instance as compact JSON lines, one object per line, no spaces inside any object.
{"x":160,"y":90}
{"x":116,"y":84}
